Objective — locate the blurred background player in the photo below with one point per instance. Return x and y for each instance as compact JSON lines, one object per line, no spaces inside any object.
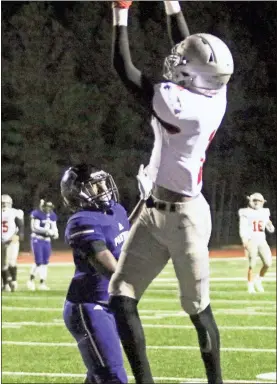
{"x":12,"y":234}
{"x":253,"y":221}
{"x":43,"y":230}
{"x":95,"y":232}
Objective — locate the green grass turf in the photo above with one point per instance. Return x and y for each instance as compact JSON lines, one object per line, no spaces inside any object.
{"x":160,"y":306}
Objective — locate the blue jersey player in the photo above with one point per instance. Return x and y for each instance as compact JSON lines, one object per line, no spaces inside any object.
{"x":95,"y":232}
{"x":43,"y":230}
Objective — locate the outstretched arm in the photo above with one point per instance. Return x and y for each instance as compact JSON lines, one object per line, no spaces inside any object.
{"x":176,"y":23}
{"x":133,"y":79}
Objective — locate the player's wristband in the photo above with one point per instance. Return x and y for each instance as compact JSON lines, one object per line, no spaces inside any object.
{"x":120,"y":16}
{"x":172,"y":7}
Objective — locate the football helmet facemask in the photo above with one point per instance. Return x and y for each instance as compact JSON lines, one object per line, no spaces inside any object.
{"x":6,"y":202}
{"x":86,"y":187}
{"x":256,"y":200}
{"x":202,"y":62}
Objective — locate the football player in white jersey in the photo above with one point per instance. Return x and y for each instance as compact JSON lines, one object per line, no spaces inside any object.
{"x":174,"y":221}
{"x":12,"y":233}
{"x":253,"y":221}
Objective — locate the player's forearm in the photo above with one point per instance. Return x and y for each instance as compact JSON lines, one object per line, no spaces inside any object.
{"x":104,"y":262}
{"x":176,"y":24}
{"x":132,"y":78}
{"x":270,"y":227}
{"x":35,"y":228}
{"x":20,"y":226}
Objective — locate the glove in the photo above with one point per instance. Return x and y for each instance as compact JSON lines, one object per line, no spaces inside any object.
{"x":50,"y":233}
{"x":144,"y":183}
{"x":122,"y":4}
{"x":55,"y":236}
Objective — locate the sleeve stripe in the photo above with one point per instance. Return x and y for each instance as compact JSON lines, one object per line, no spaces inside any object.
{"x":81,"y":233}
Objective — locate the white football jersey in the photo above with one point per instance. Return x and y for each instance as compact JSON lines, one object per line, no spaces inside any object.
{"x":9,"y":227}
{"x":253,"y":222}
{"x":177,"y":159}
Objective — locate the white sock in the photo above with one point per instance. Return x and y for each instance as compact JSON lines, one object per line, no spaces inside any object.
{"x":33,"y":270}
{"x":43,"y":272}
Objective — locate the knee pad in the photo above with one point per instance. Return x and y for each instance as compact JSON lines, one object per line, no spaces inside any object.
{"x":189,"y":306}
{"x":268,"y":263}
{"x":118,"y":287}
{"x":12,"y":264}
{"x":193,"y":307}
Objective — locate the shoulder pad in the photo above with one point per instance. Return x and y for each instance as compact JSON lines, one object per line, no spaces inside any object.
{"x":19,"y":214}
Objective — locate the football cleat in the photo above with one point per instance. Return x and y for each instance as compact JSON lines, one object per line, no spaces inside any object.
{"x":258,"y":285}
{"x":14,"y":286}
{"x":251,"y":288}
{"x":7,"y":288}
{"x":31,"y":285}
{"x":43,"y":287}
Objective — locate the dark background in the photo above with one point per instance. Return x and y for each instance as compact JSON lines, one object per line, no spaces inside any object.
{"x":62,"y":103}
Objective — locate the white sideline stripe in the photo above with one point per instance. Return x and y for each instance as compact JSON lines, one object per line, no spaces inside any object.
{"x":145,"y":300}
{"x":212,"y":291}
{"x":212,"y":259}
{"x":170,"y":347}
{"x":79,"y":375}
{"x":58,"y":264}
{"x":159,"y":312}
{"x":174,"y":279}
{"x":145,"y":325}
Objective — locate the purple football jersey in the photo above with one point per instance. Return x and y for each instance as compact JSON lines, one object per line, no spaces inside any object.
{"x":84,"y":227}
{"x":43,"y":217}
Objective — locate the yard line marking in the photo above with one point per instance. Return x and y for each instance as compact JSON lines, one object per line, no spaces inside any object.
{"x":159,"y":312}
{"x":79,"y":375}
{"x":158,"y":299}
{"x":60,"y":323}
{"x":146,"y":299}
{"x":212,"y":291}
{"x":169,"y":347}
{"x":173,"y":279}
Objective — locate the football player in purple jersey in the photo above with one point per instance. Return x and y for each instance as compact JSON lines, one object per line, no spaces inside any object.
{"x":43,"y":230}
{"x":96,"y":232}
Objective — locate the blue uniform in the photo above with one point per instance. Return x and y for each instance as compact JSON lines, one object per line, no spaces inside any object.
{"x":40,"y":241}
{"x":86,"y":313}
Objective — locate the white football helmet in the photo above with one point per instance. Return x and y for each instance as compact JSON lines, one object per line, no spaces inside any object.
{"x":6,"y":202}
{"x":201,"y":61}
{"x":256,"y":200}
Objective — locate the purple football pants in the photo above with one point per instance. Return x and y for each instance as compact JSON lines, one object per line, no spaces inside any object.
{"x":94,"y":329}
{"x":41,"y":250}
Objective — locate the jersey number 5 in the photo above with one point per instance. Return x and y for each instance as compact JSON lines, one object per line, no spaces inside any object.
{"x":258,"y":226}
{"x":4,"y":226}
{"x":200,"y":173}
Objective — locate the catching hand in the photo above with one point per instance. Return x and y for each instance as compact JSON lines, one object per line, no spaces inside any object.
{"x":122,"y":4}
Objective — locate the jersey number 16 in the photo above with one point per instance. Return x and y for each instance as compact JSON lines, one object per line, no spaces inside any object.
{"x":258,"y":226}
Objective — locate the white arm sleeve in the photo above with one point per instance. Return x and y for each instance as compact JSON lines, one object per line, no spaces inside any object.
{"x":270,"y":227}
{"x":54,"y":228}
{"x":244,"y":231}
{"x":35,"y":227}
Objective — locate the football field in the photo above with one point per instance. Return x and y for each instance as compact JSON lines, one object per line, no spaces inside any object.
{"x":37,"y":348}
